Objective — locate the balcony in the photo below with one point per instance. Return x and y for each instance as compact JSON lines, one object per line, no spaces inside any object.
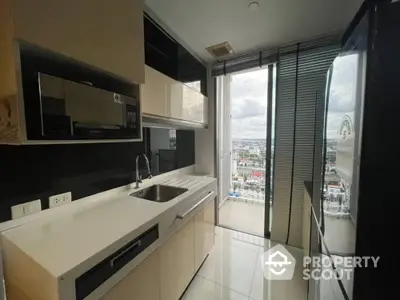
{"x":244,"y":214}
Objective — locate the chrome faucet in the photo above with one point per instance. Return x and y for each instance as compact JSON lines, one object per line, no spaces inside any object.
{"x":139,"y":177}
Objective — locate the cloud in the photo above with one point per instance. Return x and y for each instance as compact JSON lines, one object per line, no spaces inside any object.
{"x":247,"y":107}
{"x":333,"y":124}
{"x":342,"y":94}
{"x":249,"y":99}
{"x":249,"y":104}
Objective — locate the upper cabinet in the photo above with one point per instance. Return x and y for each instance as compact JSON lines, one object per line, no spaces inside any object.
{"x":167,"y":56}
{"x":194,"y":105}
{"x":175,"y":99}
{"x":175,"y":85}
{"x":165,"y":97}
{"x":191,"y":72}
{"x":160,"y":49}
{"x":155,"y":93}
{"x":96,"y":32}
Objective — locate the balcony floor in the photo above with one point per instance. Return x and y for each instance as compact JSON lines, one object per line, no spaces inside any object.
{"x":243,"y":216}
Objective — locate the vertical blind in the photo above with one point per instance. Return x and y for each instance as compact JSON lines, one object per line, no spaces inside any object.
{"x":245,"y":62}
{"x":299,"y":120}
{"x":302,"y":70}
{"x":267,"y":56}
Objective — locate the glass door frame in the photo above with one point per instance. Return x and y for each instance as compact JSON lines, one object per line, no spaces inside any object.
{"x":270,"y":163}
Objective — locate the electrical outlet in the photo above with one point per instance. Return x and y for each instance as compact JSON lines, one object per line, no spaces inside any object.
{"x":60,"y":199}
{"x":24,"y":209}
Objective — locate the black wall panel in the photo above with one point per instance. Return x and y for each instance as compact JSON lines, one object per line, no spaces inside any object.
{"x":36,"y":172}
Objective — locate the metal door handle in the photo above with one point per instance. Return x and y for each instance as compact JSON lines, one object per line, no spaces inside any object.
{"x":137,"y":244}
{"x":182,"y":216}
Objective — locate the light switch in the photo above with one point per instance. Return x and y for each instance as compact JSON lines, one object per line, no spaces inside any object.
{"x":24,"y":209}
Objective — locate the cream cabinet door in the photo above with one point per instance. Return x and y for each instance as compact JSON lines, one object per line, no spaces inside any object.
{"x":204,"y":235}
{"x":175,"y":99}
{"x":96,"y":32}
{"x":205,"y":110}
{"x":177,"y":263}
{"x":155,"y":93}
{"x":193,"y":105}
{"x":142,"y":283}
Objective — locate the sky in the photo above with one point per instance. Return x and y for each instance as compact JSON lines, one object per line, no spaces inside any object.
{"x":342,"y":93}
{"x":249,"y":104}
{"x":249,"y":100}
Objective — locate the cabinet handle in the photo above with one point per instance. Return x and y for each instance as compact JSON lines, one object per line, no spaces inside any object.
{"x":137,"y":244}
{"x":182,"y":216}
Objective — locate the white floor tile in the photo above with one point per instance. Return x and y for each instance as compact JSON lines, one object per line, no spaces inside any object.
{"x":230,"y":266}
{"x":242,"y":240}
{"x":203,"y":289}
{"x":233,"y":270}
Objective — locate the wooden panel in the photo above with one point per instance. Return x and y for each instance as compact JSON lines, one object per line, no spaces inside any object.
{"x":24,"y":278}
{"x":98,"y":33}
{"x":186,"y":257}
{"x":122,"y":38}
{"x":175,"y":99}
{"x":141,"y":283}
{"x":205,"y":110}
{"x":177,"y":263}
{"x":154,"y":93}
{"x":204,"y":233}
{"x":9,"y":123}
{"x":168,"y":269}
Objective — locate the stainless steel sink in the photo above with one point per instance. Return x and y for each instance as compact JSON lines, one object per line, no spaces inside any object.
{"x":159,"y":193}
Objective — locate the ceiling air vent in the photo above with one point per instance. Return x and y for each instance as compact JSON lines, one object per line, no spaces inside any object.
{"x":221,"y":50}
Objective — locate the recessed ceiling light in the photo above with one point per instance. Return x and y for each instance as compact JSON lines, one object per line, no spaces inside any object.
{"x":253,"y":5}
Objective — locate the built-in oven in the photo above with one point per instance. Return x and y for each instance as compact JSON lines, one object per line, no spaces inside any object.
{"x":65,"y":101}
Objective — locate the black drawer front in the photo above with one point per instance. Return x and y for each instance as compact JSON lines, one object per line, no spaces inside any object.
{"x":93,"y":278}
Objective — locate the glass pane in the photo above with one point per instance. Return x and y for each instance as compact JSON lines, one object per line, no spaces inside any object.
{"x":341,"y":135}
{"x":245,"y":130}
{"x":196,"y":85}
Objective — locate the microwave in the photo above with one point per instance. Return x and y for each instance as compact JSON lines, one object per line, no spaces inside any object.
{"x":62,"y":101}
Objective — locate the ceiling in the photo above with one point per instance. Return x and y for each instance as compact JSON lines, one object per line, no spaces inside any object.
{"x":198,"y":24}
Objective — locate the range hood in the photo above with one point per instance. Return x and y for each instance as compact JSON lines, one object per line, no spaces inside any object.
{"x":153,"y":121}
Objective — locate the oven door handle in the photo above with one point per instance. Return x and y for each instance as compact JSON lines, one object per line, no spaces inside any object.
{"x":137,"y":244}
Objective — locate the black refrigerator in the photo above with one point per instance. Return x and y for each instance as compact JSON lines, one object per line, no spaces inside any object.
{"x":357,"y":216}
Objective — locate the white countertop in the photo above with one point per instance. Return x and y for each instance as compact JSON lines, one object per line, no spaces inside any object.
{"x":69,"y":240}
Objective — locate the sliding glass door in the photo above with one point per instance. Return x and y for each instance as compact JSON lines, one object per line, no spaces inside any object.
{"x":245,"y":148}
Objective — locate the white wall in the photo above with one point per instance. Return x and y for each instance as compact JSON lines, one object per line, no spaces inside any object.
{"x":205,"y":138}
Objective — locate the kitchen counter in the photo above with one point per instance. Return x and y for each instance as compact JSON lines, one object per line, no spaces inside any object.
{"x":77,"y":241}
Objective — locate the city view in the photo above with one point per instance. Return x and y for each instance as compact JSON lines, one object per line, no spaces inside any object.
{"x":248,"y":168}
{"x":336,"y":191}
{"x":340,"y":143}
